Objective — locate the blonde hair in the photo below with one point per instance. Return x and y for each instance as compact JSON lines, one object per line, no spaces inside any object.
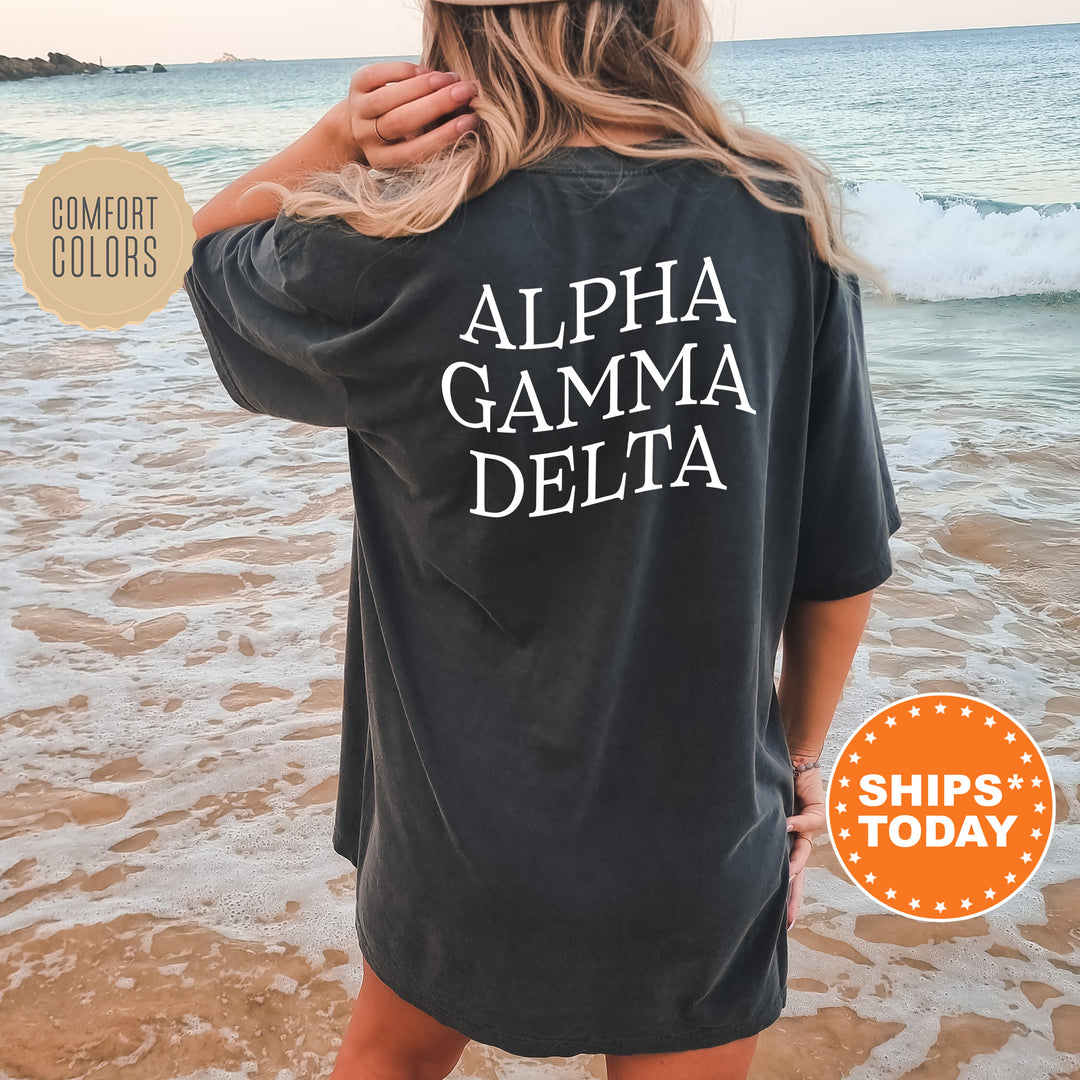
{"x":551,"y":71}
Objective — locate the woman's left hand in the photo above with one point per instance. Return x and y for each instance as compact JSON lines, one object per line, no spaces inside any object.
{"x":405,"y":99}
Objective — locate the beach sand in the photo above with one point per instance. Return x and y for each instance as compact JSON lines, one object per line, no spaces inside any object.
{"x":170,"y":903}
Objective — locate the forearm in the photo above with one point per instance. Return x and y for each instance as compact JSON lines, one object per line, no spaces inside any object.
{"x":819,"y":642}
{"x":326,"y":146}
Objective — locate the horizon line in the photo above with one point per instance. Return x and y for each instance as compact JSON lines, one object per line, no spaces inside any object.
{"x":715,"y":41}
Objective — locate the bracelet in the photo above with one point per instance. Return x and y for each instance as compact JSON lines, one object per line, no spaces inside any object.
{"x":796,"y":769}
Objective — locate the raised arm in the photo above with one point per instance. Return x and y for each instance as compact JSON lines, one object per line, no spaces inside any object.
{"x":404,"y":98}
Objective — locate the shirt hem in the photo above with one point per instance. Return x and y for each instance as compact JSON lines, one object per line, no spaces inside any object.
{"x":841,"y":589}
{"x":341,"y":848}
{"x":564,"y":1044}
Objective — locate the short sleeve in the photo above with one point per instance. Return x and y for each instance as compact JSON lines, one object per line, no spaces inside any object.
{"x":848,"y":509}
{"x":244,"y":285}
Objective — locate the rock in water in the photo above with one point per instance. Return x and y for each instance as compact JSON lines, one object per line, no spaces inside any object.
{"x":15,"y":67}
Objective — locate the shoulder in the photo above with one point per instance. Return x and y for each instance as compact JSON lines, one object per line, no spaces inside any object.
{"x":837,"y":303}
{"x":780,"y":185}
{"x":780,"y":233}
{"x":296,"y":236}
{"x":328,"y":265}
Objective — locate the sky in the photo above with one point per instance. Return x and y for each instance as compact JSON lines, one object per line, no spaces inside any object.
{"x":141,"y":32}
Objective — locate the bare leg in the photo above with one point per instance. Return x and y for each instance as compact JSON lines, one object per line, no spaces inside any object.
{"x":389,"y":1039}
{"x":728,"y":1062}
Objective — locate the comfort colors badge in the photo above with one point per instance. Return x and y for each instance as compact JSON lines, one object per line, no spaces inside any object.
{"x":103,"y":237}
{"x":940,"y":807}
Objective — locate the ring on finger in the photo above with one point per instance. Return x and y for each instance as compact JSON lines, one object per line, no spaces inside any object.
{"x":381,"y":136}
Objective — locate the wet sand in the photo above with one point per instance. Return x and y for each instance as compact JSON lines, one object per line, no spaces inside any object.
{"x":170,"y":903}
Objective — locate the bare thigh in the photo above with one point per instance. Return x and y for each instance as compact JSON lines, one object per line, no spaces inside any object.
{"x":728,"y":1062}
{"x":389,"y":1039}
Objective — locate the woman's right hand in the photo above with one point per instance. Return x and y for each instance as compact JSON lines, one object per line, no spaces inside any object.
{"x":405,"y":99}
{"x":807,"y":821}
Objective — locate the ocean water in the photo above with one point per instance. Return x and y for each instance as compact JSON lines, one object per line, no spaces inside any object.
{"x":175,"y":575}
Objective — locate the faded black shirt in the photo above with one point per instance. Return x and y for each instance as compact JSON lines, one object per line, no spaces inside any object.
{"x":603,"y":425}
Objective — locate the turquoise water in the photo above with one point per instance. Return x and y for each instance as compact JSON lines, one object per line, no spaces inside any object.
{"x":981,"y":114}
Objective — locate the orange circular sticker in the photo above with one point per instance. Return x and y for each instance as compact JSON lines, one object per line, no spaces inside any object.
{"x":940,"y":807}
{"x":103,"y":237}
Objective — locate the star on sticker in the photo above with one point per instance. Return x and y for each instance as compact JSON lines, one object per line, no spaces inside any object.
{"x":841,"y":807}
{"x":1025,"y":758}
{"x":1015,"y":781}
{"x":854,"y":757}
{"x":965,"y":711}
{"x":914,"y":710}
{"x":1010,"y":877}
{"x":1026,"y":857}
{"x":939,"y":708}
{"x":854,"y":856}
{"x":939,"y":906}
{"x":913,"y":903}
{"x":844,"y":781}
{"x":870,"y":736}
{"x":870,"y":879}
{"x":990,"y":721}
{"x":890,"y":894}
{"x":990,"y":894}
{"x":1011,"y":737}
{"x":1036,"y":833}
{"x":844,"y":834}
{"x":891,"y":721}
{"x":1039,"y":807}
{"x":965,"y":903}
{"x":1036,"y":781}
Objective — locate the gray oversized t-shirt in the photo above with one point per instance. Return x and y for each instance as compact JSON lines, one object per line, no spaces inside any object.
{"x":603,"y":425}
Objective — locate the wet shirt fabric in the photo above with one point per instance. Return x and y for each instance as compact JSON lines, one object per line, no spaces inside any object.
{"x":603,"y":425}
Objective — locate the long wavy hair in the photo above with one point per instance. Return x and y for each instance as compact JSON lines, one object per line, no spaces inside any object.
{"x":552,"y":71}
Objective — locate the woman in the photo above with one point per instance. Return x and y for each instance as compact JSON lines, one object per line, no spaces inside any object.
{"x":597,"y":349}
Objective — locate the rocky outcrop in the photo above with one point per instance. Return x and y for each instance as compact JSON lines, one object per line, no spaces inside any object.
{"x":228,"y":58}
{"x":14,"y":67}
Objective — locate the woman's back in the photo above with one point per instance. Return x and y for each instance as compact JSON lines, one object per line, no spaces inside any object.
{"x":604,"y":424}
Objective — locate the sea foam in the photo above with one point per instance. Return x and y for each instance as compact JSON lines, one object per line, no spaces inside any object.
{"x":933,"y":247}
